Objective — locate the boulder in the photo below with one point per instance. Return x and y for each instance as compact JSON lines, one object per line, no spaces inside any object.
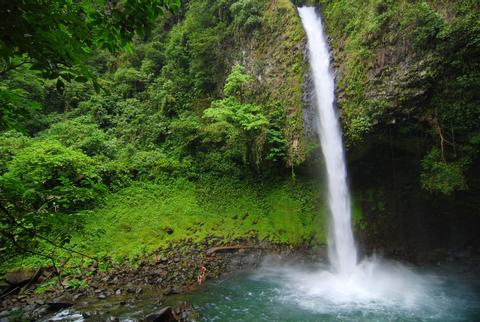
{"x":163,"y":315}
{"x":20,"y":277}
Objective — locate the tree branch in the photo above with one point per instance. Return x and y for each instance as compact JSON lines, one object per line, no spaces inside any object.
{"x":26,"y":250}
{"x":12,"y":67}
{"x":32,"y":232}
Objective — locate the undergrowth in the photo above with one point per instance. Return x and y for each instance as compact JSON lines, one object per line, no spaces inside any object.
{"x":140,"y":219}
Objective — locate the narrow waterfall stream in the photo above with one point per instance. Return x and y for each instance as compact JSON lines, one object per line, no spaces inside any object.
{"x":342,"y":252}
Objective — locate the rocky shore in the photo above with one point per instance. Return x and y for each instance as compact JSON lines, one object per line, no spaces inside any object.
{"x":92,"y":294}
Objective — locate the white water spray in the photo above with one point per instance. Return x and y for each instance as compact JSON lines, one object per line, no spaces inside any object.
{"x":342,"y":252}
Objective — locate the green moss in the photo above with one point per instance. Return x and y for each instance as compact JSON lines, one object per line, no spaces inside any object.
{"x":142,"y":218}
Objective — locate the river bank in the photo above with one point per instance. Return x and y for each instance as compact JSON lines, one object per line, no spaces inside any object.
{"x":161,"y":282}
{"x":102,"y":294}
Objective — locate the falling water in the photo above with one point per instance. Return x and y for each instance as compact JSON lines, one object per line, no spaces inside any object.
{"x":342,"y":252}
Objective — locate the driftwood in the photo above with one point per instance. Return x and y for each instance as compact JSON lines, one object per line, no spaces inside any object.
{"x":228,"y":249}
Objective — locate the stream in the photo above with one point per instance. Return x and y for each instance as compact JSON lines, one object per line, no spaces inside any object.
{"x":294,"y":293}
{"x":288,"y":292}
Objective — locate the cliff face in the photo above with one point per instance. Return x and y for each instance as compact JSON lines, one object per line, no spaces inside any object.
{"x":408,"y":86}
{"x":267,"y":40}
{"x":275,"y":55}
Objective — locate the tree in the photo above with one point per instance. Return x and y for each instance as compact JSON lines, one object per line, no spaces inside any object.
{"x":237,"y":83}
{"x":55,"y":36}
{"x":246,"y":117}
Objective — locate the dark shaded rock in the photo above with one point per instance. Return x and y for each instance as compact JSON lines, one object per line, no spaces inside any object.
{"x":57,"y":306}
{"x":163,"y":315}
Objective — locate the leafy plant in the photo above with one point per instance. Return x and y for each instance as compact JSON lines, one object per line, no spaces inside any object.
{"x":49,"y":177}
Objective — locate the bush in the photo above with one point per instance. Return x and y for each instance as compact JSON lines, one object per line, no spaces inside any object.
{"x":10,"y":143}
{"x":49,"y":177}
{"x":439,"y":176}
{"x":81,"y":133}
{"x":247,"y":15}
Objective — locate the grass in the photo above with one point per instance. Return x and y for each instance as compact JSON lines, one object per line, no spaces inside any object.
{"x":144,"y":217}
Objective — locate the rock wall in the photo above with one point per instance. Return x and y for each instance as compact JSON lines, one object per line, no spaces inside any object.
{"x":399,"y":68}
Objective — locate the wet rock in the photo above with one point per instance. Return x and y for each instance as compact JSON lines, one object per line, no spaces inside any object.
{"x":29,"y":308}
{"x":10,"y":315}
{"x":118,"y":292}
{"x":172,"y":290}
{"x":39,"y":312}
{"x":101,"y":296}
{"x":163,"y":315}
{"x":185,"y":312}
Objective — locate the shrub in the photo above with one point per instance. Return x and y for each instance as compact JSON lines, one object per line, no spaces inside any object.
{"x":81,"y":133}
{"x":49,"y":177}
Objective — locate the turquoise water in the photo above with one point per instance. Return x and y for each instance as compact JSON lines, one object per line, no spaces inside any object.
{"x":272,"y":294}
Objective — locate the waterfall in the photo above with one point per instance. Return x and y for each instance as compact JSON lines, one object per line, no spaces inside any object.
{"x":341,"y":245}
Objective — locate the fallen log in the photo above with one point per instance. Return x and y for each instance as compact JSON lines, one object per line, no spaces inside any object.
{"x":228,"y":249}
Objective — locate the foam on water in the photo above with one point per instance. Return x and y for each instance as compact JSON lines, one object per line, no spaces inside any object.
{"x":374,"y":285}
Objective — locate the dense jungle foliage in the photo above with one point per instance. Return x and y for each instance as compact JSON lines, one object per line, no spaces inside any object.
{"x":127,"y":125}
{"x":175,"y":121}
